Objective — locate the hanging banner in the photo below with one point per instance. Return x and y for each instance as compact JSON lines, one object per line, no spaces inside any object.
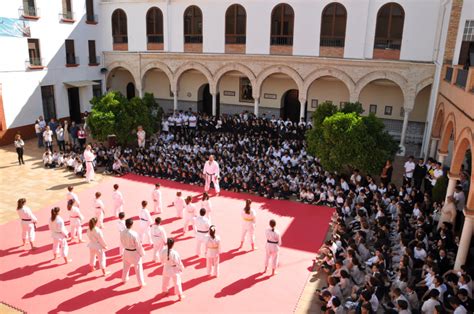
{"x":10,"y":27}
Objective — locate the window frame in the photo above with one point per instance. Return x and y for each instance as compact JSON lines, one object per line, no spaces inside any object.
{"x":120,"y":29}
{"x":154,"y":36}
{"x":195,"y":36}
{"x":235,"y":37}
{"x":333,"y":40}
{"x":388,"y":41}
{"x":280,"y":39}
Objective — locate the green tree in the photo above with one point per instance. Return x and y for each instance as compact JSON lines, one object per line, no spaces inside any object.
{"x":352,"y":107}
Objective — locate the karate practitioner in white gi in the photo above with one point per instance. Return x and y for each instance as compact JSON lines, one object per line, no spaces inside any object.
{"x":72,"y":196}
{"x":28,"y":221}
{"x":117,"y":196}
{"x":89,"y":158}
{"x":272,"y":247}
{"x":213,"y":250}
{"x":201,"y":229}
{"x":248,"y":226}
{"x":59,"y":235}
{"x":206,"y":204}
{"x":97,"y":247}
{"x":172,"y":269}
{"x":179,"y":204}
{"x":211,"y":172}
{"x":133,"y":253}
{"x":158,"y":234}
{"x":99,"y":210}
{"x":157,"y":199}
{"x":189,"y":214}
{"x":75,"y":219}
{"x":145,"y":223}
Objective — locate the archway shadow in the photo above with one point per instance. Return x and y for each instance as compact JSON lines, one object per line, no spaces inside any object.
{"x":24,"y":271}
{"x":64,"y":186}
{"x":241,"y":285}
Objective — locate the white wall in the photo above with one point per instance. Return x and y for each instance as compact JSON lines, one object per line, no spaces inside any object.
{"x":467,"y":13}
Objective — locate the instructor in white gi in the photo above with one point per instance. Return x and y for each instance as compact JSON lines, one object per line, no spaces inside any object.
{"x":211,"y":173}
{"x":89,"y":159}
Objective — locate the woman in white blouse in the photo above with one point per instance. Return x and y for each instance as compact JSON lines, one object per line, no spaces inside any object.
{"x":19,"y":144}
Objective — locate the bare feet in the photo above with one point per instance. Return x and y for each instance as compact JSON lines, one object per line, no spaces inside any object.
{"x":67,"y":260}
{"x":180,"y":297}
{"x":81,"y":241}
{"x":91,"y":268}
{"x":265,"y":270}
{"x":143,"y":285}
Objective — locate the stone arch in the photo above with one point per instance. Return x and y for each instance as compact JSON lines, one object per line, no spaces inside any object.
{"x":193,"y":66}
{"x":274,"y":69}
{"x":464,"y":141}
{"x":157,"y":65}
{"x":438,"y":121}
{"x":381,"y":75}
{"x":119,"y":64}
{"x":234,"y":67}
{"x":423,"y":83}
{"x":449,"y":127}
{"x":342,"y":76}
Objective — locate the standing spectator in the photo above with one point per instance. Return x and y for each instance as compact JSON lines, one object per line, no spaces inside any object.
{"x":460,"y":201}
{"x":409,"y":168}
{"x":42,"y":123}
{"x":141,"y":135}
{"x":66,"y":133}
{"x":39,"y":133}
{"x":19,"y":144}
{"x":53,"y":125}
{"x":60,"y":137}
{"x":386,"y":175}
{"x":81,"y":136}
{"x":73,"y":133}
{"x":419,"y":173}
{"x":48,"y":138}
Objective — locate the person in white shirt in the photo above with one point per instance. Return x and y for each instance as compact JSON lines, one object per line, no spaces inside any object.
{"x":213,"y":250}
{"x":141,"y":135}
{"x":28,"y":221}
{"x":99,"y":210}
{"x":121,"y":227}
{"x":89,"y":158}
{"x":117,"y":196}
{"x":248,"y":226}
{"x":273,"y":246}
{"x":172,"y":269}
{"x":75,"y":220}
{"x":157,"y":199}
{"x":48,"y":138}
{"x":97,"y":247}
{"x":201,"y":228}
{"x":132,"y":254}
{"x":456,"y":305}
{"x":206,"y":204}
{"x":211,"y":172}
{"x":159,"y":239}
{"x":59,"y":235}
{"x":145,"y":224}
{"x":430,"y":304}
{"x":189,"y":214}
{"x":179,"y":204}
{"x":409,"y":168}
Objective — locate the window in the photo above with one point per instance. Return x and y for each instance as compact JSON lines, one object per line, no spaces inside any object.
{"x":34,"y":52}
{"x":333,"y":25}
{"x":92,"y":54}
{"x":245,"y":94}
{"x":154,"y":26}
{"x":49,"y":105}
{"x":71,"y":58}
{"x":373,"y":109}
{"x":91,"y":18}
{"x":119,"y":27}
{"x":389,"y":29}
{"x":29,"y":8}
{"x":388,"y":110}
{"x":193,"y":25}
{"x":97,"y":89}
{"x":466,"y":52}
{"x":67,"y":10}
{"x":235,"y":25}
{"x":282,"y":25}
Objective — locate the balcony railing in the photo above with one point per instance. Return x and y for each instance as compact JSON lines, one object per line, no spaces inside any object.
{"x":94,"y":60}
{"x":387,"y":44}
{"x":34,"y":63}
{"x":461,"y":78}
{"x":155,"y":39}
{"x":120,"y":39}
{"x":331,"y":42}
{"x":235,"y":39}
{"x":72,"y":60}
{"x":29,"y":12}
{"x":193,"y":39}
{"x":92,"y":18}
{"x":449,"y":74}
{"x":66,"y":16}
{"x":284,"y":40}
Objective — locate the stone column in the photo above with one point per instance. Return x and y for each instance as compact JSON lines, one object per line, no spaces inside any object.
{"x":175,"y":101}
{"x":302,"y":107}
{"x":453,"y":178}
{"x":441,"y":156}
{"x":214,"y":104}
{"x":404,"y":131}
{"x":256,"y":104}
{"x":465,"y":241}
{"x":434,"y":146}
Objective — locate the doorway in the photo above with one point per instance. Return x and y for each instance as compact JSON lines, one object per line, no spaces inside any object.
{"x":204,"y":104}
{"x":74,"y":104}
{"x":130,"y":91}
{"x":291,"y":106}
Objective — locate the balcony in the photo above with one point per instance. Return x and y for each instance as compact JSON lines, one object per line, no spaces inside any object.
{"x":193,"y":43}
{"x":94,"y":60}
{"x":34,"y":64}
{"x":92,"y":19}
{"x":29,"y":13}
{"x":458,"y":87}
{"x":235,"y":43}
{"x":331,"y":47}
{"x":66,"y":17}
{"x":72,"y":61}
{"x":120,"y":42}
{"x":387,"y":49}
{"x":155,"y":42}
{"x":281,"y":45}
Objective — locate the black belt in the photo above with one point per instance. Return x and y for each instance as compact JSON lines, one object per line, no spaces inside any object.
{"x":143,"y":219}
{"x":131,"y":250}
{"x":26,"y":219}
{"x":88,"y":161}
{"x":272,"y":242}
{"x":203,"y":231}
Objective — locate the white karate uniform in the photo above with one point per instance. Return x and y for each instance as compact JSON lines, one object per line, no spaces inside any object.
{"x":189,"y":214}
{"x":272,"y":247}
{"x":121,"y":227}
{"x":213,"y":249}
{"x":207,"y":205}
{"x":159,"y":240}
{"x":141,"y":135}
{"x":179,"y":204}
{"x":59,"y":235}
{"x":144,"y":226}
{"x":157,"y":201}
{"x":96,"y":247}
{"x":89,"y":158}
{"x":172,"y":269}
{"x":248,"y":225}
{"x":117,"y":196}
{"x":99,"y":212}
{"x":75,"y":219}
{"x":28,"y":220}
{"x":132,"y":255}
{"x":201,"y":228}
{"x":73,"y":196}
{"x":211,"y":173}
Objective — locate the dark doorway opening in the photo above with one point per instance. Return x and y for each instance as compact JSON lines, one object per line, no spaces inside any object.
{"x":291,"y":106}
{"x":74,"y":104}
{"x":204,"y":104}
{"x":130,"y":91}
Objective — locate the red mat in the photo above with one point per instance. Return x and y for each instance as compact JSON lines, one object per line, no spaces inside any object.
{"x":34,"y":283}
